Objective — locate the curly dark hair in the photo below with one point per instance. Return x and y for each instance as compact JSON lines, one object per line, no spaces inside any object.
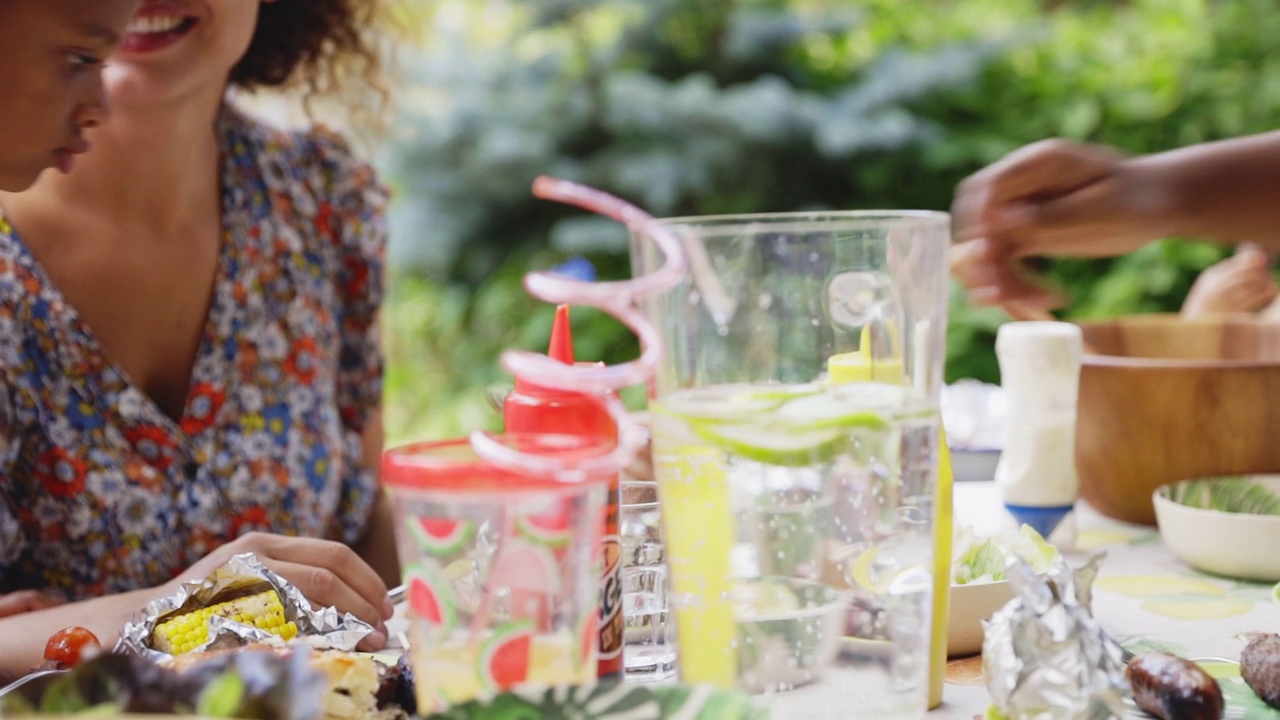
{"x":317,"y":45}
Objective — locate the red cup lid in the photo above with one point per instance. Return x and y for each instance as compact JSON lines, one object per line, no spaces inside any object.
{"x":453,"y":466}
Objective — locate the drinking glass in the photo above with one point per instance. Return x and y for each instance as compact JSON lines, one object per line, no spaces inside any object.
{"x":649,"y":649}
{"x":503,"y":569}
{"x":794,"y":422}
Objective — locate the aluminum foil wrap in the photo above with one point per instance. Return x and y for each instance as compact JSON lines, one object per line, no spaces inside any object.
{"x":1044,"y":657}
{"x":244,"y":574}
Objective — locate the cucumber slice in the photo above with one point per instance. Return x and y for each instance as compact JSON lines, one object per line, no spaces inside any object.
{"x":774,"y":445}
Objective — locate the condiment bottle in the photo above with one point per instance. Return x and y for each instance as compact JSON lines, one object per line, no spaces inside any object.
{"x":533,"y":409}
{"x":1040,"y":373}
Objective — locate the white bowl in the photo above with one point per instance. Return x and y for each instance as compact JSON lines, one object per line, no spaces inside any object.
{"x":970,"y":605}
{"x":1226,"y":526}
{"x":972,"y":464}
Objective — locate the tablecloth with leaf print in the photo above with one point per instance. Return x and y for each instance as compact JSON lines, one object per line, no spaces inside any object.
{"x":1146,"y":598}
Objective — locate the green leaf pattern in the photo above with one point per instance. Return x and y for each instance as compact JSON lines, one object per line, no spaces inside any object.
{"x":610,"y":701}
{"x":1252,"y":495}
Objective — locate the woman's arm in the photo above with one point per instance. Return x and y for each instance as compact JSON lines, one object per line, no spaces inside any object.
{"x":325,"y":572}
{"x":25,"y":601}
{"x":23,"y":637}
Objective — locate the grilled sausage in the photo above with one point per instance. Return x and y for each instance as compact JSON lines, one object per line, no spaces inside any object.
{"x":1174,"y":689}
{"x":1260,"y":667}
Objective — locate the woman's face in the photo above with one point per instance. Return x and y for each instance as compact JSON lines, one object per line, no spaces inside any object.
{"x":175,"y":50}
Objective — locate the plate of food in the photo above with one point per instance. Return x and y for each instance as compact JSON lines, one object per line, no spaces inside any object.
{"x":243,"y":644}
{"x":257,"y":683}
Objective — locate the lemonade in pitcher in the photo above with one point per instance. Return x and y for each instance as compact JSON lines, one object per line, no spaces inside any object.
{"x":798,"y":522}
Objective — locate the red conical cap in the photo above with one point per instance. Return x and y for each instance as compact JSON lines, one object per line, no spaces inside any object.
{"x":536,"y":409}
{"x":561,"y":347}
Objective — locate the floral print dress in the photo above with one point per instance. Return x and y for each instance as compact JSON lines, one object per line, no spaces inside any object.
{"x":100,"y":490}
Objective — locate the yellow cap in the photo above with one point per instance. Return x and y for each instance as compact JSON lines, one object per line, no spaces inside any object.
{"x":860,"y":366}
{"x":854,"y":367}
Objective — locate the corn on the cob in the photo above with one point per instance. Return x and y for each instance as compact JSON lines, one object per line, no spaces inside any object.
{"x":183,"y":633}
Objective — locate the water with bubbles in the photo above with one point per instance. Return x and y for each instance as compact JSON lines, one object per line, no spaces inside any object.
{"x":798,"y":525}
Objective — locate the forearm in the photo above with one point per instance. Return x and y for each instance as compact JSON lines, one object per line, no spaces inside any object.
{"x":1227,"y":191}
{"x":23,"y":636}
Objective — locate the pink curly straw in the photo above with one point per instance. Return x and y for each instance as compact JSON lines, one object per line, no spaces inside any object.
{"x":619,"y":299}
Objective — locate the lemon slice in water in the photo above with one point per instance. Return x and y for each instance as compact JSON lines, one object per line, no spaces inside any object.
{"x":775,"y":393}
{"x":774,"y":445}
{"x":755,"y":599}
{"x":732,"y":404}
{"x":825,"y":411}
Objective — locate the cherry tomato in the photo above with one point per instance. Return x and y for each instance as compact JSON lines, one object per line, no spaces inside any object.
{"x":71,"y":646}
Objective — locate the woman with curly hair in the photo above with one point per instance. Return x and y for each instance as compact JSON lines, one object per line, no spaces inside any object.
{"x":189,"y":364}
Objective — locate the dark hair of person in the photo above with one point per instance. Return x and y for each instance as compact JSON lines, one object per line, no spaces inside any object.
{"x":318,"y":46}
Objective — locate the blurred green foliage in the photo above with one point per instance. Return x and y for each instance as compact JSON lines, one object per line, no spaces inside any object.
{"x":710,"y":106}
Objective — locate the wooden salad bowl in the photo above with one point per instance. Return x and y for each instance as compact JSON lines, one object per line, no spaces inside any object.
{"x":1164,"y":399}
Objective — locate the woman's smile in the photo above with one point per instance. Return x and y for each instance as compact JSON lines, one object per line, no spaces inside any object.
{"x":157,"y":26}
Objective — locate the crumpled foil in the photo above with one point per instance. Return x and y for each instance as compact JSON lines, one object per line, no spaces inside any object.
{"x":244,"y":574}
{"x":1045,"y":657}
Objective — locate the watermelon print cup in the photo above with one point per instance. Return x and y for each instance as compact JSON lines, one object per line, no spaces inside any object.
{"x":502,"y":569}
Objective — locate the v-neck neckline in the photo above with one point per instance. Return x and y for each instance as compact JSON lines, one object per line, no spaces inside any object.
{"x":78,"y":346}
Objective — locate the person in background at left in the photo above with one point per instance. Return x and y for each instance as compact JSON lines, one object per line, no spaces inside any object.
{"x":189,"y":356}
{"x":51,"y":56}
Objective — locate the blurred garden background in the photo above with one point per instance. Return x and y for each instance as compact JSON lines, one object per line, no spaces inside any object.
{"x":712,"y":106}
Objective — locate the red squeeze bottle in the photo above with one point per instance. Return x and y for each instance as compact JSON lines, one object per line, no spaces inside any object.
{"x":534,"y":409}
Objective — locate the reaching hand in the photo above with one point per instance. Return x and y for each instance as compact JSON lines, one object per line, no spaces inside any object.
{"x":326,"y":572}
{"x":1052,"y":198}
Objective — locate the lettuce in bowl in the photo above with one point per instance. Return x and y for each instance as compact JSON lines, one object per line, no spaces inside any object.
{"x":983,"y":559}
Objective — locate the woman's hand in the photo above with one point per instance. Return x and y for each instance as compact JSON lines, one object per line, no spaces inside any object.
{"x":1052,"y":198}
{"x":326,"y":572}
{"x":24,"y":601}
